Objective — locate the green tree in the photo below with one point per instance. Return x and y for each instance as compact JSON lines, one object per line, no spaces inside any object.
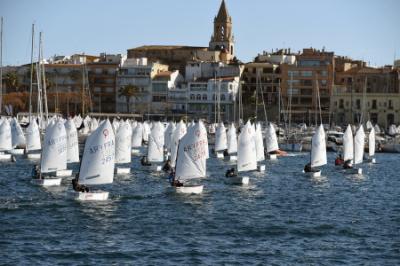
{"x":11,"y":80}
{"x":128,"y":92}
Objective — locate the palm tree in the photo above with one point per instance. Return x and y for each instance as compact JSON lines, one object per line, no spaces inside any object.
{"x":128,"y":92}
{"x":11,"y":80}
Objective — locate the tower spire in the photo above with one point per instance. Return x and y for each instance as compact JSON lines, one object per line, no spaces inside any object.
{"x":223,"y":14}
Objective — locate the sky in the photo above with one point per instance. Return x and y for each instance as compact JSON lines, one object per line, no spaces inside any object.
{"x":361,"y":29}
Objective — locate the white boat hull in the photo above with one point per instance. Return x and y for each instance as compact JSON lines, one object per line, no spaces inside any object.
{"x":33,"y":156}
{"x":189,"y":189}
{"x":64,"y":173}
{"x":93,"y":196}
{"x":219,"y":155}
{"x":272,"y":157}
{"x":122,"y":170}
{"x":261,"y":168}
{"x":5,"y":157}
{"x":47,"y":182}
{"x":155,"y":168}
{"x":233,"y":158}
{"x":17,"y":151}
{"x":135,"y":151}
{"x":372,"y":160}
{"x":313,"y":174}
{"x":238,"y":180}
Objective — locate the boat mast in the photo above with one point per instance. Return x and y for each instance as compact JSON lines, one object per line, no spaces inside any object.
{"x":31,"y":81}
{"x":43,"y":72}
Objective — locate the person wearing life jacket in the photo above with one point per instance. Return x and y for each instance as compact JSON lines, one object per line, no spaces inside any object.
{"x":339,"y":159}
{"x":77,"y":187}
{"x":230,"y":172}
{"x":36,"y":174}
{"x":347,"y":164}
{"x":167,"y":166}
{"x":173,"y":181}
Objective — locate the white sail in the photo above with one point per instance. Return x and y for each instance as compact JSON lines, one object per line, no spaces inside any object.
{"x":137,"y":135}
{"x":220,"y":138}
{"x":271,"y":140}
{"x":168,"y":135}
{"x":115,"y":125}
{"x":318,"y":148}
{"x":348,"y":149}
{"x":371,"y":142}
{"x":17,"y":135}
{"x":146,"y":131}
{"x":54,"y":152}
{"x":5,"y":135}
{"x":232,"y":139}
{"x":369,"y":125}
{"x":359,"y":145}
{"x":123,"y":144}
{"x":33,"y":136}
{"x":259,"y":143}
{"x":94,"y":124}
{"x":392,"y":130}
{"x":77,"y":121}
{"x":377,"y":129}
{"x":72,"y":142}
{"x":192,"y":153}
{"x":246,"y":157}
{"x":98,"y":160}
{"x":179,"y":132}
{"x":155,"y":152}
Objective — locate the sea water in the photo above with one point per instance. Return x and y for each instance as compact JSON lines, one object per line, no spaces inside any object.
{"x":282,"y":218}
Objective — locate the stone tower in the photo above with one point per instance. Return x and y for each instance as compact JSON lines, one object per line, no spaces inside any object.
{"x":222,"y":39}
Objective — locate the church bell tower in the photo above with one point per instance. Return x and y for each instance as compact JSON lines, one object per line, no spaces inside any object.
{"x":222,"y":40}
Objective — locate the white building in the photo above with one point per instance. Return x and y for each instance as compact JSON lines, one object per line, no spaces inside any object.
{"x":139,"y":73}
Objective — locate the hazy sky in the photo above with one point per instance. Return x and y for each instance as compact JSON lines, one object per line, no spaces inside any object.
{"x":361,"y":29}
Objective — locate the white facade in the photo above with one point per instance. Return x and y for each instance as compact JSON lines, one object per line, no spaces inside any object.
{"x":197,"y":70}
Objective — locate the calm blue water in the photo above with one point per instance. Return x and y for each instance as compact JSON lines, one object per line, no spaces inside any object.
{"x":282,"y":218}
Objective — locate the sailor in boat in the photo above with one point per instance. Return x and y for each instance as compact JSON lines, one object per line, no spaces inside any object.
{"x":309,"y":169}
{"x":144,"y":161}
{"x":174,"y":182}
{"x":347,"y":164}
{"x":167,"y":166}
{"x":13,"y":159}
{"x":36,"y":174}
{"x":231,"y":173}
{"x":339,"y":159}
{"x":77,"y":187}
{"x":226,"y":154}
{"x":278,"y":152}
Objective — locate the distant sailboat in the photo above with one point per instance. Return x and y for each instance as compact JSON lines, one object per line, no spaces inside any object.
{"x":247,"y":155}
{"x":220,"y":141}
{"x":98,"y":162}
{"x":137,"y":138}
{"x":123,"y":154}
{"x":191,"y":159}
{"x":72,"y":142}
{"x":359,"y":140}
{"x":179,"y":132}
{"x":318,"y":152}
{"x":33,"y":145}
{"x":232,"y":143}
{"x":155,"y":152}
{"x":54,"y":155}
{"x":18,"y":138}
{"x":259,"y":147}
{"x":371,"y":145}
{"x":5,"y":139}
{"x":271,"y":142}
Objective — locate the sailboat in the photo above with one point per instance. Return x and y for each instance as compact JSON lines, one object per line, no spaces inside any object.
{"x":17,"y":138}
{"x":5,"y":139}
{"x":359,"y":139}
{"x":348,"y":146}
{"x":33,"y":145}
{"x":146,"y":132}
{"x":123,"y":154}
{"x":232,"y":143}
{"x":97,"y":165}
{"x":259,"y":148}
{"x":155,"y":151}
{"x":168,"y":138}
{"x":220,"y":141}
{"x":318,"y":152}
{"x":271,"y":142}
{"x":137,"y":138}
{"x":191,"y":159}
{"x":54,"y":155}
{"x":72,"y":142}
{"x":371,"y":145}
{"x":246,"y":155}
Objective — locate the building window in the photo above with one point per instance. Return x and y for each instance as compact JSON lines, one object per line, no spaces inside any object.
{"x":192,"y":97}
{"x":373,"y":104}
{"x":390,"y":104}
{"x":341,"y":103}
{"x":222,"y":97}
{"x":157,"y":98}
{"x":358,"y":104}
{"x":323,"y":82}
{"x":198,"y":97}
{"x":205,"y":97}
{"x":306,"y":73}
